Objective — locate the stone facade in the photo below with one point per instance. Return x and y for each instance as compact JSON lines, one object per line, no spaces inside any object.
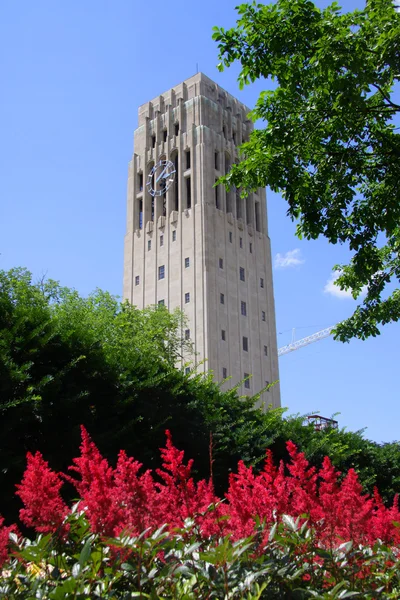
{"x":200,"y":248}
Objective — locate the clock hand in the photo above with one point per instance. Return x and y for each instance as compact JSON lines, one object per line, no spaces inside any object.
{"x":161,"y":175}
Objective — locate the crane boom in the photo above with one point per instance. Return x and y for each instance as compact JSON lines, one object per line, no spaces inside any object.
{"x":315,"y":337}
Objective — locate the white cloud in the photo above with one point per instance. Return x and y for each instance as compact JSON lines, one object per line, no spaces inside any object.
{"x":292,"y":258}
{"x":334,"y":290}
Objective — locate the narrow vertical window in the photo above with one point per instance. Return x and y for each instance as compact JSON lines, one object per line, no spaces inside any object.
{"x":161,"y":303}
{"x":265,"y":350}
{"x":251,"y":248}
{"x":137,"y":280}
{"x":153,"y":141}
{"x":238,"y":205}
{"x":187,"y":370}
{"x":247,"y":381}
{"x":222,"y":299}
{"x":241,"y":242}
{"x":187,"y":263}
{"x":258,"y":216}
{"x":245,"y":344}
{"x":223,"y":335}
{"x":221,"y":263}
{"x":230,"y":237}
{"x":152,"y":208}
{"x":224,"y":373}
{"x":243,"y":308}
{"x":176,"y":185}
{"x":187,"y":159}
{"x":148,"y":244}
{"x":261,"y":282}
{"x":176,"y":128}
{"x":187,"y":334}
{"x":174,"y":235}
{"x":161,"y":240}
{"x":188,"y":193}
{"x":187,"y":298}
{"x":140,"y":182}
{"x":216,"y":160}
{"x":165,"y":135}
{"x":161,"y":272}
{"x":267,"y":385}
{"x":241,"y":274}
{"x":140,"y":214}
{"x":216,"y":195}
{"x":234,"y":136}
{"x":263,"y":315}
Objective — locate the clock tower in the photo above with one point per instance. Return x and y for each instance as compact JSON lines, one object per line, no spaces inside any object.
{"x":198,"y":247}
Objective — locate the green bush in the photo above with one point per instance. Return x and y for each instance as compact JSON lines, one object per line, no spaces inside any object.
{"x":185,"y":566}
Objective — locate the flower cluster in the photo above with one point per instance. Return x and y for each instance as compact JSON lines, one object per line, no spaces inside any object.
{"x":125,"y":499}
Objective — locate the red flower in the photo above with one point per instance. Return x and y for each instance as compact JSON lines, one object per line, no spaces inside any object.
{"x":40,"y":492}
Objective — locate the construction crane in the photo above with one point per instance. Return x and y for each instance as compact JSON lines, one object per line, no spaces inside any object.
{"x":315,"y":337}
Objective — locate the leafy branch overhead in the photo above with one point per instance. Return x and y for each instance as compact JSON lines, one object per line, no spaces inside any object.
{"x":330,"y":143}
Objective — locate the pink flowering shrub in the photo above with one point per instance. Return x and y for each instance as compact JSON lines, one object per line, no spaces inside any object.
{"x":127,"y":499}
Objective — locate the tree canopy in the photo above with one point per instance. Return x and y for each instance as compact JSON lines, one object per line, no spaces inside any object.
{"x":330,"y":143}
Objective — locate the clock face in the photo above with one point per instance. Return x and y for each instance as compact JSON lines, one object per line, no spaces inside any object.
{"x":161,"y":177}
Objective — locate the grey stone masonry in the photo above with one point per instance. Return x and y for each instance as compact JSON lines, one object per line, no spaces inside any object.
{"x":198,"y":247}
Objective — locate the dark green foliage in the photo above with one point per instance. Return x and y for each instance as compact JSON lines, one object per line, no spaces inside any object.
{"x":185,"y":565}
{"x":67,"y":361}
{"x":330,"y":144}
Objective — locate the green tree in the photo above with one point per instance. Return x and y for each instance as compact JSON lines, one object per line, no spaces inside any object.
{"x":330,"y":144}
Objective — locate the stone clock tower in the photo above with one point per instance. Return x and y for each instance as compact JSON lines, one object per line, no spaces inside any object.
{"x":195,"y":246}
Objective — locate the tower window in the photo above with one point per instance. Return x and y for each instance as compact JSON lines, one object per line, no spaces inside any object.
{"x":137,"y":280}
{"x":187,"y":334}
{"x":263,"y":315}
{"x":176,"y":185}
{"x":140,"y":214}
{"x":224,"y":130}
{"x":221,"y":263}
{"x":223,"y":335}
{"x":224,"y":373}
{"x":234,"y":136}
{"x":241,"y":242}
{"x":267,"y":384}
{"x":216,"y":160}
{"x":230,"y":237}
{"x":148,"y":244}
{"x":165,"y":135}
{"x":265,"y":350}
{"x":187,"y":159}
{"x":251,"y":248}
{"x":216,"y":195}
{"x":187,"y":370}
{"x":245,"y":344}
{"x":187,"y":297}
{"x":261,"y":282}
{"x":243,"y":308}
{"x":140,"y":182}
{"x":258,"y":217}
{"x":222,"y":299}
{"x":176,"y":128}
{"x":161,"y":272}
{"x":247,"y":382}
{"x":241,"y":274}
{"x":161,"y":240}
{"x":153,"y":141}
{"x":187,"y":263}
{"x":174,"y":235}
{"x":188,"y":193}
{"x":161,"y":303}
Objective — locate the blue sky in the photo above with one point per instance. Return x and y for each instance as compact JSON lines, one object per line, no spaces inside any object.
{"x":73,"y":75}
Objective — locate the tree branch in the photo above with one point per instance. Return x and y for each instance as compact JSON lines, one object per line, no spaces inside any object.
{"x":386,"y":97}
